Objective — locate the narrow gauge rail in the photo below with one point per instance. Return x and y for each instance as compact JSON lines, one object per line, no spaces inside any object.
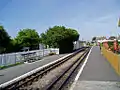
{"x":34,"y":76}
{"x":60,"y":81}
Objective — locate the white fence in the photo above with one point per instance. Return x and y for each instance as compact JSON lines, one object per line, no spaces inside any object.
{"x":13,"y":58}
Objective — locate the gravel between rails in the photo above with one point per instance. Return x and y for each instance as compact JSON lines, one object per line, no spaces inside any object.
{"x":50,"y":76}
{"x":72,"y":77}
{"x":57,"y":84}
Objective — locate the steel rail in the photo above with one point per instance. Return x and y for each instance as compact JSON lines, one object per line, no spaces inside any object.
{"x":28,"y":78}
{"x":78,"y":61}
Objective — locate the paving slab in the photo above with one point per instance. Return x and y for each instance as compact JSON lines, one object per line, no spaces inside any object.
{"x":97,"y":85}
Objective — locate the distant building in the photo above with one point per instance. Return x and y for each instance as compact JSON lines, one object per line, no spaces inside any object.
{"x":79,"y":44}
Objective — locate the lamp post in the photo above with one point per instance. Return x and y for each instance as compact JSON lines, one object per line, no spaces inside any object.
{"x":116,"y":40}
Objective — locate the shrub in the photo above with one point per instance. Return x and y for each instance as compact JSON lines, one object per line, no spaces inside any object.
{"x":52,"y":53}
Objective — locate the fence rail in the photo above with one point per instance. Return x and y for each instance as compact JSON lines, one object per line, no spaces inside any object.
{"x":14,"y":58}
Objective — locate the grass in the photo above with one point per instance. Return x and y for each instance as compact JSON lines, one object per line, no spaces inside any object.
{"x":4,"y":67}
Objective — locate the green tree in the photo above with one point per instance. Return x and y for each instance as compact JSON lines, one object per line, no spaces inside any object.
{"x":43,"y":39}
{"x":28,"y":38}
{"x":60,"y":37}
{"x":112,"y":37}
{"x":94,"y":38}
{"x":14,"y":46}
{"x":4,"y":40}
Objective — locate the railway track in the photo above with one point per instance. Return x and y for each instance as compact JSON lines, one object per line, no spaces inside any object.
{"x":60,"y":81}
{"x":35,"y":75}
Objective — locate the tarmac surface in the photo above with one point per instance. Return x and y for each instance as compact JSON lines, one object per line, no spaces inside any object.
{"x":13,"y":72}
{"x":98,"y":74}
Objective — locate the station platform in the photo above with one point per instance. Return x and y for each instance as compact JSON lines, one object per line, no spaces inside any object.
{"x":16,"y":71}
{"x":97,"y":74}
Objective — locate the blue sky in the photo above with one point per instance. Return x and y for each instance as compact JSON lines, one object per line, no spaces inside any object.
{"x":89,"y":17}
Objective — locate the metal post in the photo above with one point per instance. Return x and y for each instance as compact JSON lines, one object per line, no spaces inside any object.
{"x":5,"y":60}
{"x":15,"y":58}
{"x":43,"y":51}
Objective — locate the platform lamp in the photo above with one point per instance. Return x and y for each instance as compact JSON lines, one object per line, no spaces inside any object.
{"x":119,"y":22}
{"x":116,"y":41}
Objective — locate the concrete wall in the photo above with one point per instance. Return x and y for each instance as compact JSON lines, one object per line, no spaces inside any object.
{"x":113,"y":59}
